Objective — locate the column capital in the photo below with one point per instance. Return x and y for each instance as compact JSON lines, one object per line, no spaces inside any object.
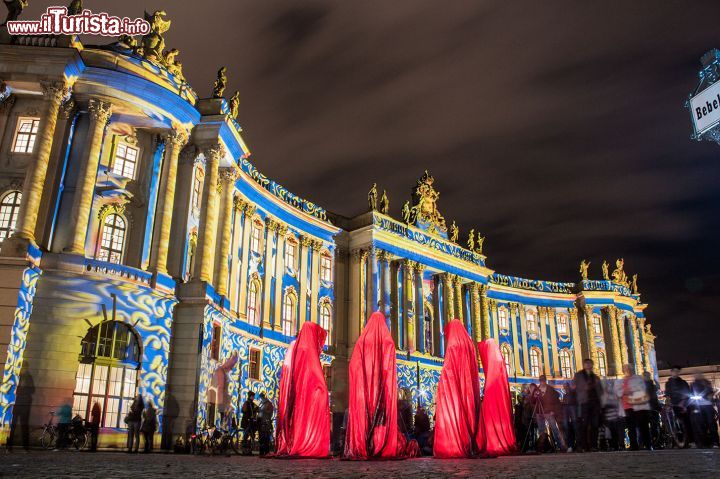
{"x":67,"y":108}
{"x":282,"y":229}
{"x":383,"y":255}
{"x":419,"y":268}
{"x":229,"y":174}
{"x":177,"y":137}
{"x":55,"y":90}
{"x":99,"y":110}
{"x":306,"y":241}
{"x":250,"y":209}
{"x":316,"y":245}
{"x":238,"y":203}
{"x":271,"y":223}
{"x":213,"y":153}
{"x":360,"y":254}
{"x":7,"y":104}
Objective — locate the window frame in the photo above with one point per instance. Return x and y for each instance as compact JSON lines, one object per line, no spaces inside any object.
{"x":601,"y":363}
{"x":325,"y":307}
{"x":31,"y":135}
{"x":503,"y":319}
{"x":534,"y":354}
{"x":255,"y":365}
{"x":215,"y":341}
{"x":197,"y":188}
{"x":101,"y":238}
{"x":565,"y":360}
{"x":256,"y":233}
{"x":290,"y":254}
{"x":326,"y":267}
{"x":531,"y":323}
{"x":597,"y":324}
{"x":12,"y":216}
{"x":562,"y":320}
{"x":505,"y":348}
{"x":125,"y":160}
{"x":254,"y":289}
{"x":289,"y":305}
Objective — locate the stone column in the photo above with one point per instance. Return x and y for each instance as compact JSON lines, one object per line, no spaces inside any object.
{"x":24,"y":233}
{"x":407,"y":338}
{"x":612,"y":325}
{"x":542,"y":330}
{"x":315,"y":280}
{"x":448,"y":297}
{"x":373,"y":282}
{"x":271,"y":227}
{"x":514,"y":311}
{"x":475,"y":312}
{"x":238,"y":231}
{"x":305,"y":244}
{"x":6,"y":106}
{"x":384,"y":259}
{"x":636,"y":345}
{"x":419,"y":308}
{"x":227,"y":180}
{"x":577,"y":345}
{"x":459,"y":299}
{"x":621,"y":336}
{"x":496,"y":326}
{"x":555,"y":371}
{"x":524,"y":338}
{"x":175,"y":142}
{"x":248,"y":212}
{"x":279,"y":272}
{"x":100,"y":112}
{"x":485,"y":312}
{"x":207,"y":230}
{"x":362,"y":256}
{"x":592,"y":345}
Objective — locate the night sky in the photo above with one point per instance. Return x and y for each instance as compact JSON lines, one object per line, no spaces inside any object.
{"x":556,"y":128}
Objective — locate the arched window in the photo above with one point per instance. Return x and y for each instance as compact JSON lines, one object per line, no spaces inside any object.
{"x":256,"y":237}
{"x":9,"y":209}
{"x":326,"y":267}
{"x":562,"y":324}
{"x":288,"y":314}
{"x":326,"y":321}
{"x":565,"y":364}
{"x":503,"y":319}
{"x":108,"y":372}
{"x":531,"y":322}
{"x":112,"y":239}
{"x":602,"y":364}
{"x":535,"y":362}
{"x":597,"y":325}
{"x":253,"y":307}
{"x":507,"y":356}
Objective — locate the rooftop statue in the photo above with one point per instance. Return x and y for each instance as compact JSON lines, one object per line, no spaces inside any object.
{"x":384,"y":203}
{"x":618,"y":275}
{"x":75,"y":7}
{"x":15,"y":8}
{"x":220,"y":83}
{"x":454,"y":232}
{"x":173,"y":66}
{"x":605,"y":273}
{"x":153,"y":44}
{"x":406,"y":215}
{"x":634,"y":284}
{"x":425,"y":207}
{"x":373,"y":197}
{"x":471,"y":240}
{"x":584,"y":265}
{"x":479,"y":243}
{"x":234,"y":105}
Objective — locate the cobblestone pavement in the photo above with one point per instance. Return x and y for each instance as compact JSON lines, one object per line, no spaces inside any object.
{"x":674,"y":463}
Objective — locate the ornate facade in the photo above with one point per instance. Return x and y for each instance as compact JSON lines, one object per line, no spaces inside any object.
{"x":142,"y":252}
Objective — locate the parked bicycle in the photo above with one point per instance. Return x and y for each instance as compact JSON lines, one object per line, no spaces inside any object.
{"x":674,"y":431}
{"x":49,"y":433}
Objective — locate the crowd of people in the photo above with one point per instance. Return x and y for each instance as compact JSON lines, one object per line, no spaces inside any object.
{"x":594,"y":413}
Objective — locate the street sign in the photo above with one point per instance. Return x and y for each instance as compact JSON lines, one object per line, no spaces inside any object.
{"x":705,"y":108}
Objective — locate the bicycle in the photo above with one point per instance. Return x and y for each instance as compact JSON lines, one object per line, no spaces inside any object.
{"x":674,"y":427}
{"x":49,"y":433}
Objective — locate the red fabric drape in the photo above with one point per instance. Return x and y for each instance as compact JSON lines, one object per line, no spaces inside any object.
{"x":496,"y":407}
{"x":303,"y":419}
{"x":459,"y":423}
{"x":372,"y":429}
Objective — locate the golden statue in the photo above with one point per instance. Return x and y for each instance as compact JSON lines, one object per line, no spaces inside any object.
{"x":153,"y":44}
{"x":372,"y":197}
{"x":220,"y":83}
{"x":471,"y":240}
{"x":173,"y":66}
{"x":406,"y":212}
{"x":234,"y":105}
{"x":384,"y":203}
{"x":618,"y":275}
{"x":454,"y":232}
{"x":75,"y":7}
{"x":634,"y":284}
{"x":584,"y":265}
{"x":606,"y":275}
{"x":479,"y":245}
{"x":425,"y":208}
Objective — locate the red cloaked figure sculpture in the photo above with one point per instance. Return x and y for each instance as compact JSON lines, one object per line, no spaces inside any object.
{"x":303,"y":420}
{"x":459,"y":430}
{"x":496,"y":407}
{"x":372,"y":429}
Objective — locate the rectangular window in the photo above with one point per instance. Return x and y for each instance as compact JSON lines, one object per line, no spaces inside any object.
{"x":25,"y":135}
{"x":197,"y":188}
{"x":125,"y":162}
{"x":254,"y":366}
{"x":326,"y":268}
{"x":327,"y":372}
{"x":255,"y":238}
{"x":290,"y":255}
{"x":215,"y":342}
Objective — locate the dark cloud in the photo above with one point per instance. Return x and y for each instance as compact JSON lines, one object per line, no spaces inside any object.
{"x":557,"y":128}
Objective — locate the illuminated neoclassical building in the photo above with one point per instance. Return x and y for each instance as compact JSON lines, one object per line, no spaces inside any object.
{"x":143,"y":252}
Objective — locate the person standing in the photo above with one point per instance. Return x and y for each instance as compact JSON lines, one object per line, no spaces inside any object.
{"x":547,"y":415}
{"x":655,"y":408}
{"x":133,"y":420}
{"x":704,"y":426}
{"x":64,"y":416}
{"x":588,"y":392}
{"x":614,"y":414}
{"x":569,"y":414}
{"x":149,"y":426}
{"x":265,"y":426}
{"x":677,"y":390}
{"x":248,"y":422}
{"x":636,"y":403}
{"x":95,"y":415}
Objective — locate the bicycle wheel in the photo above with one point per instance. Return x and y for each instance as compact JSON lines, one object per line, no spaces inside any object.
{"x":234,"y":442}
{"x":48,"y":439}
{"x":79,"y":440}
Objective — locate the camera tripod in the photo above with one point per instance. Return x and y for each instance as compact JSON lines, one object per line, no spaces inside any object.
{"x":539,"y":410}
